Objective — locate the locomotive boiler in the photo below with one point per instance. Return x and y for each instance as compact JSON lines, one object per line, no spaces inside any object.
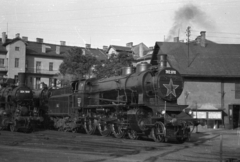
{"x":143,"y":103}
{"x":17,"y":109}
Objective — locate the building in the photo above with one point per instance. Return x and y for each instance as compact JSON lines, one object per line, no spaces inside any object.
{"x":39,"y":60}
{"x":114,"y":49}
{"x":211,"y":74}
{"x":140,"y":51}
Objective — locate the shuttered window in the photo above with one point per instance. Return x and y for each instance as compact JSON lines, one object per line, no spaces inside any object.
{"x":237,"y":90}
{"x":16,"y":62}
{"x":1,"y":62}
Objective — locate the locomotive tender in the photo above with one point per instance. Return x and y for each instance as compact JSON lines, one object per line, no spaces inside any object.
{"x":137,"y":104}
{"x":17,"y":110}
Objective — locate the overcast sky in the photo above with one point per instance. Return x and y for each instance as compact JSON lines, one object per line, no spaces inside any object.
{"x":117,"y":22}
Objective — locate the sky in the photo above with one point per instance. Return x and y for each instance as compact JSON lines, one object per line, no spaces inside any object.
{"x":117,"y":22}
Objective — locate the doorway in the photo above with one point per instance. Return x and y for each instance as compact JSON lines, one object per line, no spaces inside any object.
{"x":234,"y":115}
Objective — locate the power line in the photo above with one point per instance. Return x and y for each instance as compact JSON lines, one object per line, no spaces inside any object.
{"x":218,"y":32}
{"x":112,"y":7}
{"x":127,"y":6}
{"x":105,"y":16}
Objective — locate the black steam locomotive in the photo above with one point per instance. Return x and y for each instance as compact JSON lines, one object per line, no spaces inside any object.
{"x":17,"y":108}
{"x":137,"y":104}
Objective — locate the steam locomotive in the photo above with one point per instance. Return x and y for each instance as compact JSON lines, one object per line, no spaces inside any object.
{"x":17,"y":108}
{"x":137,"y":104}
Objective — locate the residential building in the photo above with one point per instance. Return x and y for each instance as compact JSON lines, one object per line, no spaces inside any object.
{"x":39,"y":60}
{"x":114,"y":49}
{"x":140,"y":51}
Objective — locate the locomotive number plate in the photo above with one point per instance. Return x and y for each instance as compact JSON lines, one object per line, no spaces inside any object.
{"x":170,"y":72}
{"x":22,"y":91}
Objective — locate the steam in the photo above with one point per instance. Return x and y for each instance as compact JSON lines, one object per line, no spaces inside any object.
{"x":186,"y":16}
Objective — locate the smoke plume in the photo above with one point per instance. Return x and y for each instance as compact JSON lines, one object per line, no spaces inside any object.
{"x":186,"y":16}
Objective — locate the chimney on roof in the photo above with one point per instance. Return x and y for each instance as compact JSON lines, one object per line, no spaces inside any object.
{"x":4,"y":37}
{"x":141,"y":50}
{"x":87,"y":45}
{"x":176,"y":39}
{"x":203,"y":39}
{"x":105,"y":48}
{"x":63,"y":43}
{"x":17,"y":35}
{"x":39,"y":40}
{"x":58,"y":50}
{"x":130,"y":44}
{"x":25,"y":39}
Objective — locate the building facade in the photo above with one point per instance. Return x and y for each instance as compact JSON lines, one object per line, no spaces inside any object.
{"x":211,"y":78}
{"x":39,"y":60}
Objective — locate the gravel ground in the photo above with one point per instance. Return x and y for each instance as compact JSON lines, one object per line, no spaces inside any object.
{"x":52,"y":146}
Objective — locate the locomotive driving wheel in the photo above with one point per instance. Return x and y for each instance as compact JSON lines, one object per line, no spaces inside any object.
{"x":158,"y":132}
{"x":132,"y":134}
{"x":118,"y":129}
{"x":13,"y":126}
{"x":104,"y":128}
{"x":90,"y":126}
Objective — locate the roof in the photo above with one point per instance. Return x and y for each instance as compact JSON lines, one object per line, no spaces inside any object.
{"x":214,"y":60}
{"x":120,"y":48}
{"x":140,"y":50}
{"x":10,"y":41}
{"x":98,"y":53}
{"x":2,"y":48}
{"x":35,"y":48}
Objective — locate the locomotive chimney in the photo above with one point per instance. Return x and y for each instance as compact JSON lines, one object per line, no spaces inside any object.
{"x":162,"y":61}
{"x":21,"y":79}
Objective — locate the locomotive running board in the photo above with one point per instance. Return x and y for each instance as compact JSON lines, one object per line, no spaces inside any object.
{"x":109,"y":105}
{"x":103,"y":99}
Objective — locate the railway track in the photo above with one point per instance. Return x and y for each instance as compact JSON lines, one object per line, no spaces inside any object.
{"x":54,"y":146}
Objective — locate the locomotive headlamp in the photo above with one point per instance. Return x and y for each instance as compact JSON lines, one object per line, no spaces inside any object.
{"x":163,"y":112}
{"x":190,"y":112}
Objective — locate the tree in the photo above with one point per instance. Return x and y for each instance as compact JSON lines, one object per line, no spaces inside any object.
{"x":113,"y":65}
{"x":76,"y":64}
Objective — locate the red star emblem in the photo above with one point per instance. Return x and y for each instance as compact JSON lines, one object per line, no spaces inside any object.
{"x":171,"y":88}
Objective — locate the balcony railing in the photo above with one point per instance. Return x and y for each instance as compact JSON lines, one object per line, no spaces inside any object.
{"x":3,"y":68}
{"x":41,"y":71}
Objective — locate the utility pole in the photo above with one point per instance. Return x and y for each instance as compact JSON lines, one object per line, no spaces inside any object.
{"x":188,"y":34}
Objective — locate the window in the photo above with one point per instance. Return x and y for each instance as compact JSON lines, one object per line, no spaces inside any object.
{"x":16,"y":62}
{"x":37,"y":83}
{"x":1,"y":62}
{"x":237,"y":90}
{"x":38,"y":67}
{"x":50,"y":66}
{"x":17,"y":48}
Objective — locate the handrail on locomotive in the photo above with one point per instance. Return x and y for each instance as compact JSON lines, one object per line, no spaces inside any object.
{"x":143,"y":103}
